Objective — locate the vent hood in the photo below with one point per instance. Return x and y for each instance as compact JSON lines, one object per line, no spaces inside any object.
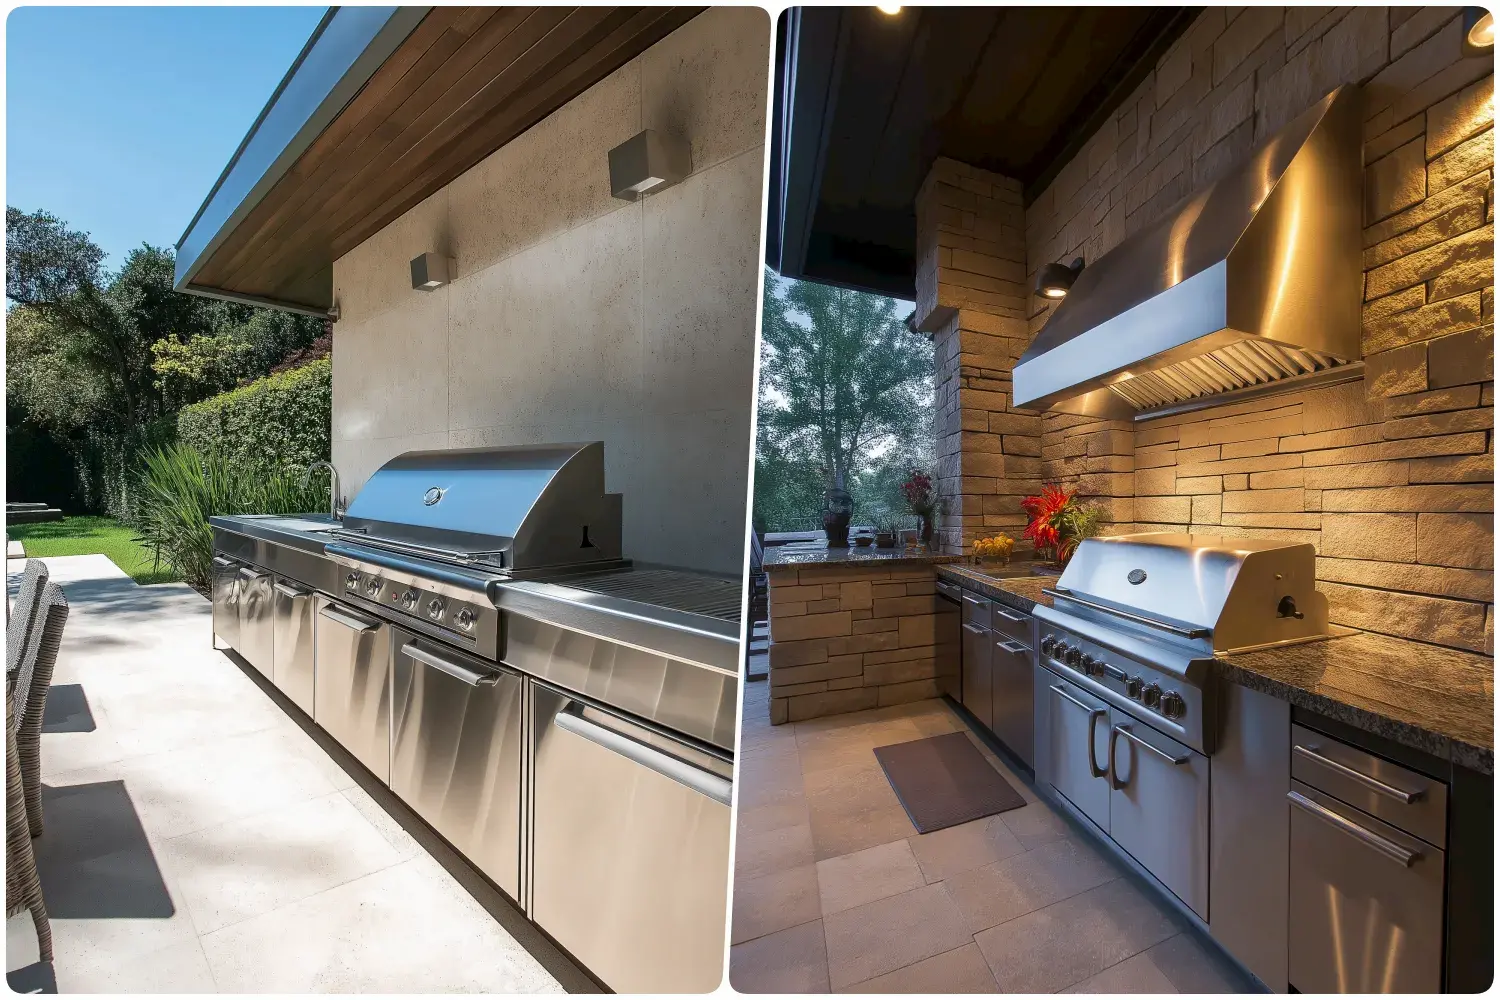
{"x":1245,"y":285}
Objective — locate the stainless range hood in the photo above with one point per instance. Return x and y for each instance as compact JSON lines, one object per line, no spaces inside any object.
{"x":1248,"y":283}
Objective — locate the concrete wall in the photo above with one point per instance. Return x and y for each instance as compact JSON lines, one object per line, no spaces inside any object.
{"x":576,"y":316}
{"x":1391,"y":478}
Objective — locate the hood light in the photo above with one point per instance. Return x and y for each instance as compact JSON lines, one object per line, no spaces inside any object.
{"x":1053,"y":279}
{"x":1479,"y":31}
{"x":888,"y":10}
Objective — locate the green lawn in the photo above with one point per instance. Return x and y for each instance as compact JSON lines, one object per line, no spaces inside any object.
{"x":82,"y":536}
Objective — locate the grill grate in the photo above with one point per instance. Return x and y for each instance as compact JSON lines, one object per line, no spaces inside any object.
{"x":687,"y":592}
{"x":1236,"y":366}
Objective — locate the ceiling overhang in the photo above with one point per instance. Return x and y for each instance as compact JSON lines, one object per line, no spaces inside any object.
{"x":383,"y":107}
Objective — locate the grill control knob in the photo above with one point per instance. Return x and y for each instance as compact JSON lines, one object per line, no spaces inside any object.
{"x":1151,"y":696}
{"x":351,"y":581}
{"x":435,"y":609}
{"x":372,"y":586}
{"x":1172,"y":705}
{"x":1049,"y":642}
{"x":1075,"y":656}
{"x":1090,"y":665}
{"x":1060,"y":650}
{"x":409,"y":600}
{"x":1133,"y":687}
{"x":465,"y":618}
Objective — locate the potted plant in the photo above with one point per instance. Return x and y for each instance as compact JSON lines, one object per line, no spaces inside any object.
{"x":921,"y":501}
{"x":885,"y":531}
{"x":1059,"y":522}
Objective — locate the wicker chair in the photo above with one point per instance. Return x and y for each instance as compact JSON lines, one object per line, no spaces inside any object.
{"x":22,"y":614}
{"x":32,"y":681}
{"x":23,"y":886}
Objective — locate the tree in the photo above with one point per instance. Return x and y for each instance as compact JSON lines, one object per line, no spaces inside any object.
{"x":845,"y":398}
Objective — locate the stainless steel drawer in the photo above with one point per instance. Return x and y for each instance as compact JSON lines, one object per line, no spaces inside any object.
{"x":976,"y":609}
{"x":226,"y":602}
{"x":1401,"y":797}
{"x":256,"y":641}
{"x":293,"y":617}
{"x":352,"y":683}
{"x":1011,"y":623}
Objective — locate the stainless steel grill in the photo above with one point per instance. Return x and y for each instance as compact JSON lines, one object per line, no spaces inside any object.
{"x":1137,"y":619}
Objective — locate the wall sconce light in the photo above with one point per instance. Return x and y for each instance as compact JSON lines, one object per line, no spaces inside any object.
{"x":1053,"y":279}
{"x":431,"y":270}
{"x":647,"y":162}
{"x":1479,"y":32}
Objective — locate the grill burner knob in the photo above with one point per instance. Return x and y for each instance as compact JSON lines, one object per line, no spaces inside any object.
{"x":351,"y":581}
{"x":1172,"y":705}
{"x":1074,"y":656}
{"x":1049,"y":642}
{"x":372,"y":586}
{"x":465,"y":618}
{"x":435,"y":609}
{"x":1151,"y":696}
{"x":1090,"y":665}
{"x":1133,"y":687}
{"x":409,"y":600}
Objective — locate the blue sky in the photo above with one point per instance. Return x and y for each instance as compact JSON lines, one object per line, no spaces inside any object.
{"x":120,"y":119}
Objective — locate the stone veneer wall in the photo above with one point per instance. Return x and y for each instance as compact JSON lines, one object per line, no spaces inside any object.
{"x":1391,"y":477}
{"x":576,"y":316}
{"x":971,"y":295}
{"x":850,"y":638}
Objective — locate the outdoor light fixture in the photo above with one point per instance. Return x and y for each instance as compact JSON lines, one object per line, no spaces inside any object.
{"x":888,"y":9}
{"x":1479,"y":31}
{"x":647,"y":162}
{"x":429,"y":271}
{"x":1053,"y":279}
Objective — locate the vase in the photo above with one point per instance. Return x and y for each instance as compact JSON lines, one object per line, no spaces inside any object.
{"x":924,"y":530}
{"x":838,"y":507}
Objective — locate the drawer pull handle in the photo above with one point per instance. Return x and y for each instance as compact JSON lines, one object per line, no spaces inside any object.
{"x":457,"y":671}
{"x":1369,"y":838}
{"x":703,"y":782}
{"x":1095,"y":714}
{"x":347,"y":620}
{"x":1010,"y":616}
{"x":1169,"y":758}
{"x":976,"y":601}
{"x":1373,"y":784}
{"x":1014,"y":647}
{"x":292,"y":592}
{"x":976,"y":629}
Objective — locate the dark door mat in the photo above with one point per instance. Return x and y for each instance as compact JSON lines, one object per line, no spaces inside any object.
{"x":943,"y":781}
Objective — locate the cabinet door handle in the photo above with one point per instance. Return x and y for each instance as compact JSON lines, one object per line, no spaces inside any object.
{"x":1169,"y":758}
{"x":1373,"y":784}
{"x":1095,"y":714}
{"x":221,"y":561}
{"x":975,"y":600}
{"x":336,"y":614}
{"x":1014,"y":647}
{"x":1114,"y":772}
{"x":718,"y":788}
{"x":1010,"y":616}
{"x":1369,"y":838}
{"x":288,"y":591}
{"x":976,"y":629}
{"x":457,"y":671}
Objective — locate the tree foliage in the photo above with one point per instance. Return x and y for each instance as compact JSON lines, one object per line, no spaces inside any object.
{"x":100,"y":361}
{"x":845,"y":398}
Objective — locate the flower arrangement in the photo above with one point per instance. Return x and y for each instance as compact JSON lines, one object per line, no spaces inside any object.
{"x":917,"y":490}
{"x":1059,"y":522}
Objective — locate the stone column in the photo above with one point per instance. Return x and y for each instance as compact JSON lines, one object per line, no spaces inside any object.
{"x":972,"y":298}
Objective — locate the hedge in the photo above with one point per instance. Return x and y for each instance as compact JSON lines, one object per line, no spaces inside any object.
{"x":280,"y":420}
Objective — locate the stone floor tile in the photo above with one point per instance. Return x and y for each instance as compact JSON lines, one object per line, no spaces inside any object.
{"x":852,"y":880}
{"x":1065,"y":943}
{"x":948,"y":852}
{"x":1194,"y":966}
{"x":400,"y":930}
{"x":1137,"y":974}
{"x":238,"y":870}
{"x":403,"y":843}
{"x":890,"y":934}
{"x":763,"y":852}
{"x":1025,"y":882}
{"x":774,"y":902}
{"x":961,"y":970}
{"x":853,"y":808}
{"x":789,"y":961}
{"x":1035,"y":824}
{"x":179,"y":968}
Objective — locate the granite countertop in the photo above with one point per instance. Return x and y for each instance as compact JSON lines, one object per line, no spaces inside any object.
{"x":853,"y":555}
{"x":1015,"y":585}
{"x":1429,"y":697}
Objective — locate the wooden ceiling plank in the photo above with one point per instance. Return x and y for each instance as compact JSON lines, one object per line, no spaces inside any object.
{"x":447,"y":57}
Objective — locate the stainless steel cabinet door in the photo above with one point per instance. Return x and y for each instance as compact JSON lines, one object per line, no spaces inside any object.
{"x":256,"y":642}
{"x":631,"y":849}
{"x":1366,"y":902}
{"x":456,"y":752}
{"x":949,"y":649}
{"x":1158,"y":807}
{"x":1077,"y":727}
{"x":1011,"y":697}
{"x":226,"y":591}
{"x":976,"y":671}
{"x":352,"y":684}
{"x":292,"y":652}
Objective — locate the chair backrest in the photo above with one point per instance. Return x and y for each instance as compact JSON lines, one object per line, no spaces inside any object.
{"x":757,"y":553}
{"x":23,"y":613}
{"x":35,"y":674}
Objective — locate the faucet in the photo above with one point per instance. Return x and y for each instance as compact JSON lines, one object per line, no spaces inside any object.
{"x":334,"y":504}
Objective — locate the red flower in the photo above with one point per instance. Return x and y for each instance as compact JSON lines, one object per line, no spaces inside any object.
{"x":1043,"y":510}
{"x":918,"y":491}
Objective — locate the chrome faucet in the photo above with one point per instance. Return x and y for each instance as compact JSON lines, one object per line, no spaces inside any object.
{"x":335,"y":504}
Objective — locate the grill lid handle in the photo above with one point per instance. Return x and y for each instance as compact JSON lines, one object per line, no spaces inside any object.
{"x":1189,"y":633}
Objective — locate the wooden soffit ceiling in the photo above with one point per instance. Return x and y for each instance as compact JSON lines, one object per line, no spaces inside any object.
{"x":428,"y":102}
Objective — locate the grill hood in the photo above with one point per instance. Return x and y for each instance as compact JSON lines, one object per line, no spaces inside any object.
{"x":512,"y":508}
{"x":1248,"y":282}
